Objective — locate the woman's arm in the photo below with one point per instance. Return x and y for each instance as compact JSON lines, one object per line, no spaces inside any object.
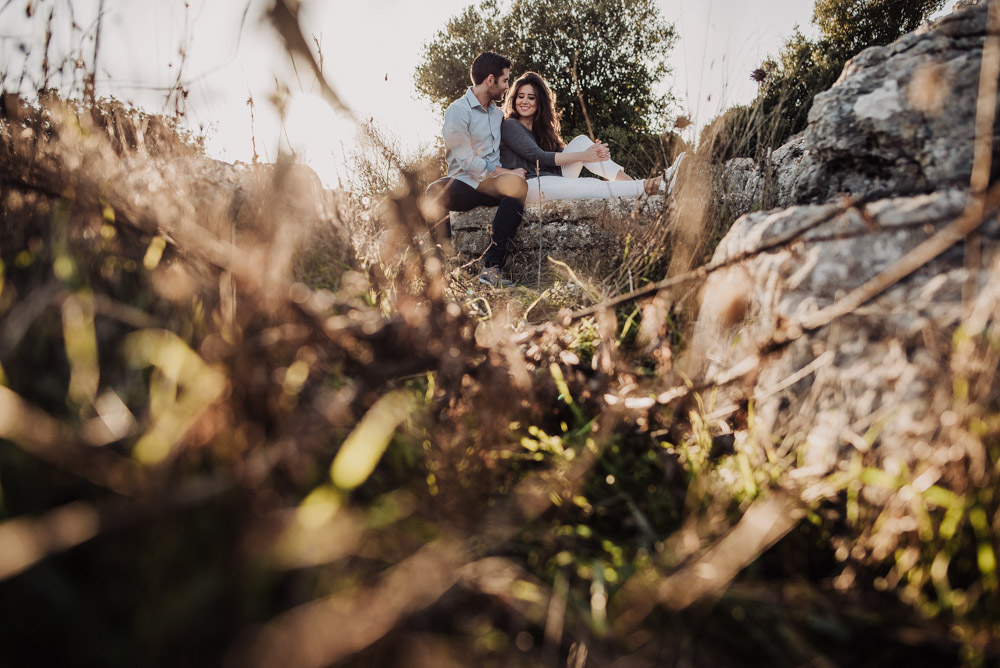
{"x":520,"y":140}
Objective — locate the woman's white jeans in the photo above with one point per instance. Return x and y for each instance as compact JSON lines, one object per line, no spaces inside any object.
{"x":571,"y":186}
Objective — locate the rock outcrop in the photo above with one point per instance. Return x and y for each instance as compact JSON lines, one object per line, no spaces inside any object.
{"x":586,"y":234}
{"x":899,"y":121}
{"x":880,"y":366}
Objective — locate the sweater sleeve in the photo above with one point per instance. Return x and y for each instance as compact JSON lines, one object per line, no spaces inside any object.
{"x":520,"y":140}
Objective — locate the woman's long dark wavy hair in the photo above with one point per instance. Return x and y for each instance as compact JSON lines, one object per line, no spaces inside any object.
{"x":546,"y":126}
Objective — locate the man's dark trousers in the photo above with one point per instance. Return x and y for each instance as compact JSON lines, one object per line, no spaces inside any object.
{"x":457,"y":196}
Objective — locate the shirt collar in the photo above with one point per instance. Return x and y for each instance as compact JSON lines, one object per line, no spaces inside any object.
{"x":473,"y":101}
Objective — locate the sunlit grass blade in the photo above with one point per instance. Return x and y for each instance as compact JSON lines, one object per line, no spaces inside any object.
{"x":183,"y":386}
{"x":81,"y":347}
{"x":364,"y":447}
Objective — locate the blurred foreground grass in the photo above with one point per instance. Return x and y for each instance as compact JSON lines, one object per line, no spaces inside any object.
{"x":231,"y":437}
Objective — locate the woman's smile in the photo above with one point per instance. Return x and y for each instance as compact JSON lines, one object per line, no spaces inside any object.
{"x":525,"y":101}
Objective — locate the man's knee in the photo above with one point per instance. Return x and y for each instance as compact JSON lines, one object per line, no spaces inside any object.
{"x":513,"y":186}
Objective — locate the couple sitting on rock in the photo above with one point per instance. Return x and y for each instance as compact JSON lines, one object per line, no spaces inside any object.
{"x":492,"y":157}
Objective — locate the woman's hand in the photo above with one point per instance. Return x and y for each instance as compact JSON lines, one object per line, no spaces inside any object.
{"x":597,"y":153}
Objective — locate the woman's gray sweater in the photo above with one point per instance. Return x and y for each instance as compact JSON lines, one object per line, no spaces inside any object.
{"x":518,"y":149}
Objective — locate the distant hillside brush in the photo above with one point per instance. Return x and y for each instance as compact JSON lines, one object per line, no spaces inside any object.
{"x":375,"y":161}
{"x":806,"y":67}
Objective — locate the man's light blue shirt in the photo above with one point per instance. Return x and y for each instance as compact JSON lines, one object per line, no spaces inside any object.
{"x":472,"y":139}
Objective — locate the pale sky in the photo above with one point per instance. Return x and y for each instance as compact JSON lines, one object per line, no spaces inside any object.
{"x":370,"y":50}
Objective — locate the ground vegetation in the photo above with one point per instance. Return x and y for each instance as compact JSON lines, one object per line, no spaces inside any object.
{"x":212,"y":456}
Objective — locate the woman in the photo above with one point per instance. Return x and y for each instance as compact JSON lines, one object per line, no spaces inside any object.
{"x":530,"y":135}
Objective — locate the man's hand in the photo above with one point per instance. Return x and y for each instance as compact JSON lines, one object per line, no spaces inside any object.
{"x":519,"y":172}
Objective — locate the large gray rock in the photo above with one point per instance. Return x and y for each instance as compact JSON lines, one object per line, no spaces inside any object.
{"x":588,"y":235}
{"x":876,"y":371}
{"x":785,"y":177}
{"x":902,"y":116}
{"x":900,"y":120}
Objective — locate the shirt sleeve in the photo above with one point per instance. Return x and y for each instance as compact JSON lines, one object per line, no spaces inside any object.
{"x":520,"y":140}
{"x":458,"y":140}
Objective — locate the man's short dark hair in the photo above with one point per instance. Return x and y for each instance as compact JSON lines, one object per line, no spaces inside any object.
{"x":486,"y":64}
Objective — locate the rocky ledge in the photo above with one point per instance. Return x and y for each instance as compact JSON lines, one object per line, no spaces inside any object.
{"x":880,"y":377}
{"x":900,"y":120}
{"x":875,"y":378}
{"x":588,"y":235}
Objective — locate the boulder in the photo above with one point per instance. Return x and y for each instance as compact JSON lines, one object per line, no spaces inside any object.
{"x":898,"y":129}
{"x":785,"y":177}
{"x":899,"y":120}
{"x":588,"y":235}
{"x":876,"y":369}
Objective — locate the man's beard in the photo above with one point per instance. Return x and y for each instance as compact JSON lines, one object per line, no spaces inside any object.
{"x":496,"y":93}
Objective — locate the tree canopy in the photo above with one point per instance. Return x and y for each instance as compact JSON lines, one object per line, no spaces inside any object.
{"x":848,"y":26}
{"x":622,"y":46}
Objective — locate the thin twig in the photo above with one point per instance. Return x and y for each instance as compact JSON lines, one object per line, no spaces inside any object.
{"x":968,"y":222}
{"x":703,"y":271}
{"x":576,"y":279}
{"x":982,"y":149}
{"x":579,"y":94}
{"x":541,"y":202}
{"x":90,"y":88}
{"x":985,"y":110}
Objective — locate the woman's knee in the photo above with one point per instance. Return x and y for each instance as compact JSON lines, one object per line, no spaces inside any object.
{"x":579,"y":143}
{"x":505,"y":185}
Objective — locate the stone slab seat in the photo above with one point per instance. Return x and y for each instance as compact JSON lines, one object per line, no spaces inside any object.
{"x":587,"y":234}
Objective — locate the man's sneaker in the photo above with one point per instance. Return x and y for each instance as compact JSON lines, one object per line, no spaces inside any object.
{"x":491,"y":276}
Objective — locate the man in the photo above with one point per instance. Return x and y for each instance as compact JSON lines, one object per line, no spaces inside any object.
{"x":475,"y":178}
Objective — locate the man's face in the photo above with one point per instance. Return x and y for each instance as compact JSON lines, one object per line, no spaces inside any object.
{"x":500,"y":85}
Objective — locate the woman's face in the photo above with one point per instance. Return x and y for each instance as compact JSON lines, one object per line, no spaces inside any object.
{"x":525,"y":101}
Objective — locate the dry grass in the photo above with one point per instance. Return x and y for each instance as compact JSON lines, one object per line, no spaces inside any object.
{"x":229,"y":436}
